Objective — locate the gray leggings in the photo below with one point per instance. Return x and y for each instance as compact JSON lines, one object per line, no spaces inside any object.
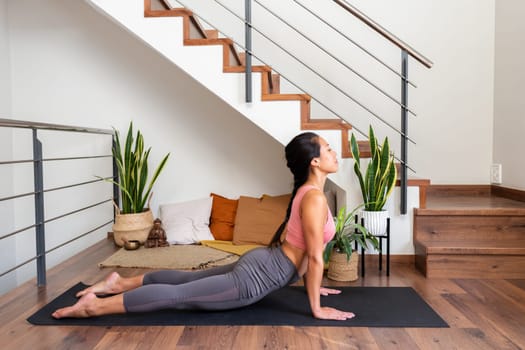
{"x":255,"y":275}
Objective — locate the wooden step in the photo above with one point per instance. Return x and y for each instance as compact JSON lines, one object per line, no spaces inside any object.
{"x":471,"y":259}
{"x":485,"y":247}
{"x":467,"y":232}
{"x":468,"y":225}
{"x":230,"y":57}
{"x":473,"y":266}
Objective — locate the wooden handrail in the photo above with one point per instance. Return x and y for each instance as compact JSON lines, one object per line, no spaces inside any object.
{"x":385,"y":33}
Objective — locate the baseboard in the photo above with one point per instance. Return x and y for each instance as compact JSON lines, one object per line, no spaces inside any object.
{"x":373,"y":259}
{"x":509,"y":193}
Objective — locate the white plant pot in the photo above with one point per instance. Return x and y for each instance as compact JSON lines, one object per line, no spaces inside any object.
{"x":375,"y":221}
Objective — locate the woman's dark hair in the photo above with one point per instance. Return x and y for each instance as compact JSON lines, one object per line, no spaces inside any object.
{"x":299,"y":154}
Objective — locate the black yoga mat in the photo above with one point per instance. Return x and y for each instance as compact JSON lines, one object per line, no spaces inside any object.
{"x":373,"y":306}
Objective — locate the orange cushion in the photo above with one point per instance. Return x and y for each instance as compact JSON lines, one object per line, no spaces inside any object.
{"x":258,"y":218}
{"x":223,"y":212}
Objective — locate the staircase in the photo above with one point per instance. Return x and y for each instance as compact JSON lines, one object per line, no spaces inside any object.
{"x":234,"y":62}
{"x":214,"y":62}
{"x":470,"y":232}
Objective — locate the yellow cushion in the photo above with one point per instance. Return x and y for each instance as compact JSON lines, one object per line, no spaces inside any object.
{"x":229,"y":247}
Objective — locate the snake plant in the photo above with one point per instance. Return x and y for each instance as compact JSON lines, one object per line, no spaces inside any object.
{"x":132,"y":164}
{"x":380,"y":177}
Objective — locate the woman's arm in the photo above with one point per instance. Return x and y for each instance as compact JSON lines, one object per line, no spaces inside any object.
{"x":313,"y":219}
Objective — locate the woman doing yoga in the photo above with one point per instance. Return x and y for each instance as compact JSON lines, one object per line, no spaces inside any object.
{"x":309,"y":226}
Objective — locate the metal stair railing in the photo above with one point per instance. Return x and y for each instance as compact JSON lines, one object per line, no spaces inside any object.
{"x":39,"y":190}
{"x":356,"y":101}
{"x":406,"y":51}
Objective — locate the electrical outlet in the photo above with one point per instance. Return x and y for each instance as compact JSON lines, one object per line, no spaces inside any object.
{"x":495,"y":174}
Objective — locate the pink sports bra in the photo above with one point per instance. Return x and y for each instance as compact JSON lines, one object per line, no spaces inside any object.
{"x":295,"y":235}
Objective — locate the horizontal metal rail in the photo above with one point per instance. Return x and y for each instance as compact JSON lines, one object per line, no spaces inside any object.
{"x":9,"y":162}
{"x":20,"y":161}
{"x":77,"y":211}
{"x":53,"y":189}
{"x":18,"y":231}
{"x":10,"y":123}
{"x":79,"y":236}
{"x":52,"y":249}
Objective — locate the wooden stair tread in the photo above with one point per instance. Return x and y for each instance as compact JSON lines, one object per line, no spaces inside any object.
{"x":242,"y":69}
{"x":177,"y":12}
{"x":208,"y":41}
{"x":326,"y":124}
{"x":495,"y":247}
{"x":286,"y":97}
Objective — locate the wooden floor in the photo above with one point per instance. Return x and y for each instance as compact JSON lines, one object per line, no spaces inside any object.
{"x":482,"y":314}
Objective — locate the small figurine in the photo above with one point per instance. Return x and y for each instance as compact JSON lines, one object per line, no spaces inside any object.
{"x":157,"y":236}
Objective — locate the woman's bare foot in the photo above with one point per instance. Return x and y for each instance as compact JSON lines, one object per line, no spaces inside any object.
{"x":110,"y":285}
{"x":81,"y":309}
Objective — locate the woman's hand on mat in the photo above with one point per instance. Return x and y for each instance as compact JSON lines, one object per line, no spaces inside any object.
{"x":327,"y":291}
{"x":329,"y":313}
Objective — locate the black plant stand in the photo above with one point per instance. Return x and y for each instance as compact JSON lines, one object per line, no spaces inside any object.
{"x":386,"y":237}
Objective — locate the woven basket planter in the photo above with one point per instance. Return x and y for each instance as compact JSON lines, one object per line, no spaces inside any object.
{"x":129,"y":227}
{"x":339,"y":269}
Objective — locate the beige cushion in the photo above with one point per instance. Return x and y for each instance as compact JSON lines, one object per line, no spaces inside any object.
{"x":187,"y":222}
{"x":257,"y":219}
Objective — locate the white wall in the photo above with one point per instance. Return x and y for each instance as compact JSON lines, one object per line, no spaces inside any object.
{"x":7,"y":245}
{"x":509,"y":104}
{"x":82,"y":69}
{"x":454,"y":100}
{"x":5,"y":72}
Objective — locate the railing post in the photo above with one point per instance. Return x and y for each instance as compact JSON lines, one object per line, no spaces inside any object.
{"x":116,"y":190}
{"x":404,"y":130}
{"x":248,"y":46}
{"x":40,"y":236}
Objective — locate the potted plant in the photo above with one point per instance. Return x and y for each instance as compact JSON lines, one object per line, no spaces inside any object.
{"x":339,"y":253}
{"x":135,"y":220}
{"x":376,"y":183}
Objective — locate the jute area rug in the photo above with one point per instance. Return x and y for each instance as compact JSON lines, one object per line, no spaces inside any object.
{"x":180,"y":257}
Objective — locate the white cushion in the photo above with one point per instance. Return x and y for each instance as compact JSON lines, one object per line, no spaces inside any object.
{"x":187,"y":222}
